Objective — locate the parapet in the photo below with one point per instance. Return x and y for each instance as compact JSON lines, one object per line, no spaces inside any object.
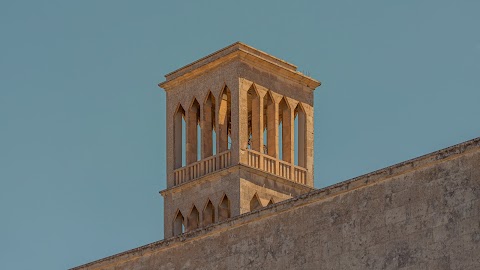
{"x":389,"y":229}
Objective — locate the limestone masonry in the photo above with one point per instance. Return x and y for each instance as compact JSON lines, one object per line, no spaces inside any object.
{"x":240,"y":185}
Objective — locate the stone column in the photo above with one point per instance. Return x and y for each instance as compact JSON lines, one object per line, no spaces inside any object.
{"x":309,"y":155}
{"x":207,"y":128}
{"x":177,"y":138}
{"x":192,"y":123}
{"x":238,"y":123}
{"x":288,"y":142}
{"x":272,"y":132}
{"x":272,"y":129}
{"x":301,"y":139}
{"x":259,"y":135}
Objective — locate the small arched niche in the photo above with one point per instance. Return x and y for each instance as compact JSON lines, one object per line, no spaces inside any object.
{"x":178,"y":225}
{"x":270,"y":202}
{"x":193,"y":219}
{"x":224,"y":209}
{"x":255,"y":203}
{"x":208,"y":214}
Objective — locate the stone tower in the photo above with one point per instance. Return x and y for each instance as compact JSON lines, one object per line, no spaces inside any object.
{"x":232,"y":118}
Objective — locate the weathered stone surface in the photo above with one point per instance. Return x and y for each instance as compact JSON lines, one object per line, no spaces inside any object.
{"x":420,"y":214}
{"x":235,"y":93}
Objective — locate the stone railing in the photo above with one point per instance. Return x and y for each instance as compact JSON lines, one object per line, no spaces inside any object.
{"x":300,"y":175}
{"x":202,"y":167}
{"x":269,"y":164}
{"x":284,"y":169}
{"x":278,"y":167}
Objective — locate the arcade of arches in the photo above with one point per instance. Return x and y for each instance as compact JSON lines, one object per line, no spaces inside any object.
{"x":276,"y":136}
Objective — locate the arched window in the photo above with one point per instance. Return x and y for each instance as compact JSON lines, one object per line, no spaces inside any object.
{"x":178,"y":226}
{"x":269,"y":120}
{"x":286,"y":131}
{"x":208,"y":126}
{"x":178,"y":136}
{"x":224,"y":209}
{"x":193,"y":127}
{"x":208,"y":214}
{"x":193,"y":219}
{"x":255,"y":203}
{"x":254,"y":112}
{"x":300,"y":136}
{"x":224,"y":120}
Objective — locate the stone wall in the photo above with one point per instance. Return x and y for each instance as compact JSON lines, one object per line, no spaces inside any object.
{"x":239,"y":183}
{"x":419,"y":214}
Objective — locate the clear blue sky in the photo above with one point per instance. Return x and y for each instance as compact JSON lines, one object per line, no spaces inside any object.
{"x":82,"y":124}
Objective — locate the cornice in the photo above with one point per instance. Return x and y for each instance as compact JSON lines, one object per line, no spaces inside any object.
{"x":243,"y":53}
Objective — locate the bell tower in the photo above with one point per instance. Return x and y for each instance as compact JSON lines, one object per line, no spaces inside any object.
{"x":239,"y":136}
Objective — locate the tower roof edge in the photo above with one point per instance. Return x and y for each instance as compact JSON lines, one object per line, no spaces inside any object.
{"x":228,"y":53}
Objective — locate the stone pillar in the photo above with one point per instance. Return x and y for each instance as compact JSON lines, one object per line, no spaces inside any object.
{"x":309,"y":148}
{"x":301,"y":151}
{"x":207,"y":128}
{"x":177,"y":138}
{"x":288,"y":142}
{"x":259,"y":135}
{"x":288,"y":126}
{"x":237,"y":116}
{"x":272,"y":129}
{"x":192,"y":123}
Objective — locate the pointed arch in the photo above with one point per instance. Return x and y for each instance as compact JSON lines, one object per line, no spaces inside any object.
{"x":255,"y":129}
{"x":270,"y":128}
{"x":208,"y":125}
{"x":301,"y":135}
{"x":208,"y":213}
{"x":193,"y":219}
{"x":178,"y":136}
{"x":193,"y":126}
{"x":270,"y":202}
{"x":224,"y":120}
{"x":287,"y":130}
{"x":224,"y":208}
{"x":255,"y":203}
{"x":178,"y":223}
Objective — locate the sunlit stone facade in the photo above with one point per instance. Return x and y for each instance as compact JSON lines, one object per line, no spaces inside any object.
{"x":232,"y":118}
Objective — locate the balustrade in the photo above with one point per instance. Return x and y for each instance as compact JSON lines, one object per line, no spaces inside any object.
{"x":300,"y":175}
{"x":269,"y":164}
{"x":202,"y":167}
{"x":283,"y":169}
{"x":255,"y":160}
